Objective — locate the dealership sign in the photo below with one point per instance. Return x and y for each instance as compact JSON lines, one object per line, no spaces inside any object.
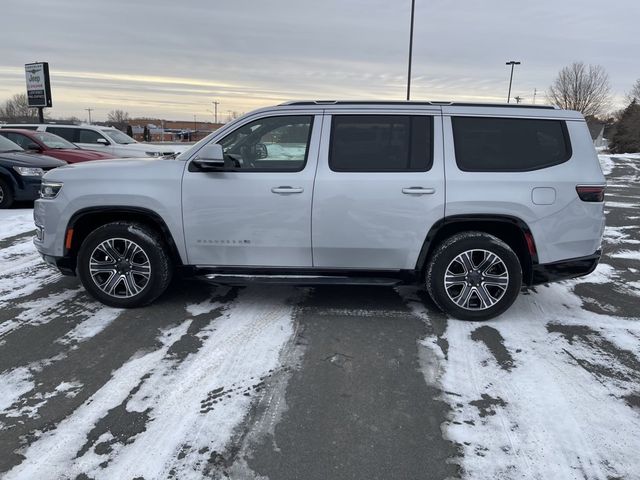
{"x":38,"y":86}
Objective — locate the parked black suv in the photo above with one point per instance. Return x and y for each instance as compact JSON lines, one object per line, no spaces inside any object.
{"x":20,"y":172}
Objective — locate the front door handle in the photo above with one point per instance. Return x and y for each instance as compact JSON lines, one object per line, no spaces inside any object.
{"x":286,"y":189}
{"x":418,"y":191}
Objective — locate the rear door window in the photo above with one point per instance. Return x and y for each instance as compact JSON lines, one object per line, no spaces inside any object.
{"x":509,"y":144}
{"x":69,"y":134}
{"x":381,"y":143}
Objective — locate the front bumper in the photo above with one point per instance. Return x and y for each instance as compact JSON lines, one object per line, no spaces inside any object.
{"x":28,"y":189}
{"x":67,"y":266}
{"x":565,"y":269}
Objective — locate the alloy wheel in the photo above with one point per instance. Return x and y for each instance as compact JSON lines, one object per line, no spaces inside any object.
{"x":476,"y":279}
{"x":120,"y":267}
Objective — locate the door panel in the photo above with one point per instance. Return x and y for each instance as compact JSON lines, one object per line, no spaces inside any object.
{"x":252,"y":218}
{"x":375,"y":220}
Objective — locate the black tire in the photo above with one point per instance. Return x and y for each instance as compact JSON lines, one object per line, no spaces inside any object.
{"x":469,"y":291}
{"x":6,"y":194}
{"x":136,"y":286}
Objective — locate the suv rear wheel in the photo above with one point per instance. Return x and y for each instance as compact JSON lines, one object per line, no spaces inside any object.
{"x":474,"y":276}
{"x":124,"y":264}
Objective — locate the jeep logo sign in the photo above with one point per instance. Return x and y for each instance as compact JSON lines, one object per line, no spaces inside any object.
{"x":38,"y":87}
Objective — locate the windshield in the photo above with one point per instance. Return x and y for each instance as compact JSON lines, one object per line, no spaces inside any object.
{"x":53,"y":141}
{"x":7,"y":145}
{"x":119,"y":137}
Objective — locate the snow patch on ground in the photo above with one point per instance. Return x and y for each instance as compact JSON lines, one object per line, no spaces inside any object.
{"x":606,"y":163}
{"x":15,"y":222}
{"x":193,"y":404}
{"x":92,"y":326}
{"x":12,"y":385}
{"x":629,"y":254}
{"x":40,"y":311}
{"x":542,"y":417}
{"x":53,"y":453}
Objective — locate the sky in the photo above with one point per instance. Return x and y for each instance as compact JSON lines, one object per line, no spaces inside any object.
{"x":172,"y":59}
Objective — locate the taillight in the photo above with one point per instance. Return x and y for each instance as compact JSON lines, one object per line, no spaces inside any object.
{"x":591,"y":193}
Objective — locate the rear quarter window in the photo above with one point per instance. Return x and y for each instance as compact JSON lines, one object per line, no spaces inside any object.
{"x":509,"y":144}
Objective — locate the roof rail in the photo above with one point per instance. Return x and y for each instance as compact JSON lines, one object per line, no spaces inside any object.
{"x":395,"y":102}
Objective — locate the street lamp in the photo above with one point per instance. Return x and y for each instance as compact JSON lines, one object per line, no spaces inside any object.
{"x":413,"y":7}
{"x":513,"y":64}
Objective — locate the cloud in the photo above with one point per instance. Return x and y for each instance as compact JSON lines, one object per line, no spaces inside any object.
{"x":162,"y":58}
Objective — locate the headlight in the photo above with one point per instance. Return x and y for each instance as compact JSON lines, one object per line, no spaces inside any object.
{"x":49,"y":189}
{"x":154,"y":154}
{"x":29,"y":171}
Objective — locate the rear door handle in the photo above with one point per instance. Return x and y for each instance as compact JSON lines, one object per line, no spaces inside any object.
{"x":287,"y":189}
{"x":418,"y":191}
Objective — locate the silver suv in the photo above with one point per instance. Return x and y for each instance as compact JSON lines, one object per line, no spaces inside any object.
{"x":471,"y":201}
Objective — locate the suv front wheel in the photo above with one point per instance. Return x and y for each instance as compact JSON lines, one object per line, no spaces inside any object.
{"x":124,"y":264}
{"x":474,"y":276}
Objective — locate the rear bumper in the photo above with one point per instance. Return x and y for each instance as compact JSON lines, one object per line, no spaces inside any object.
{"x":574,"y":267}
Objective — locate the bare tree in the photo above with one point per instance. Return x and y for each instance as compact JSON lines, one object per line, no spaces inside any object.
{"x":634,"y":93}
{"x":582,"y":88}
{"x":119,"y":118}
{"x":17,"y":109}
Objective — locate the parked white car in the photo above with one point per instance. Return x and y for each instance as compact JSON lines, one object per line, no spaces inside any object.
{"x":103,"y":139}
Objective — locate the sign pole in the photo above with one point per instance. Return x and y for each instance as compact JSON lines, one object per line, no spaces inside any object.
{"x":40,"y":114}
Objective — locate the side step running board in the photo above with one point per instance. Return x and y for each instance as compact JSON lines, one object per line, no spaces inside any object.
{"x":299,"y":280}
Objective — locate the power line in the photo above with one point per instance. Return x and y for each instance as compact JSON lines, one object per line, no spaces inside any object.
{"x":215,"y":106}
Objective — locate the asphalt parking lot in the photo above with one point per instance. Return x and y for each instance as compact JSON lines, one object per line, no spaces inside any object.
{"x":322,"y":383}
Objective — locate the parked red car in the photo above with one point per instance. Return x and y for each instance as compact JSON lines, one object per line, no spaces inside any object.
{"x":51,"y":145}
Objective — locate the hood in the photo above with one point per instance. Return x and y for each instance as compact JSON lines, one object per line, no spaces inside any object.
{"x":118,"y":170}
{"x":77,"y":154}
{"x":23,"y":159}
{"x":147,"y":147}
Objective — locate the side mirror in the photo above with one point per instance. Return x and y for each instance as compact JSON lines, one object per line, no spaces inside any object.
{"x":260,"y":151}
{"x":211,"y":157}
{"x":102,"y":141}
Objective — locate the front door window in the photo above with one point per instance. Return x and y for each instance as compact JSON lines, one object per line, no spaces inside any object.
{"x":271,"y":144}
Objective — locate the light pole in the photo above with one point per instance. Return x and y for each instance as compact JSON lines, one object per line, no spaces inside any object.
{"x":413,"y":7}
{"x":513,"y":64}
{"x":89,"y":110}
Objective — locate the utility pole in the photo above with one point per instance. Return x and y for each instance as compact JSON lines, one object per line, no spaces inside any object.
{"x":195,"y":125}
{"x":413,"y":7}
{"x":518,"y":99}
{"x":89,"y":110}
{"x":215,"y":108}
{"x":228,"y":116}
{"x":513,"y":64}
{"x":535,"y":92}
